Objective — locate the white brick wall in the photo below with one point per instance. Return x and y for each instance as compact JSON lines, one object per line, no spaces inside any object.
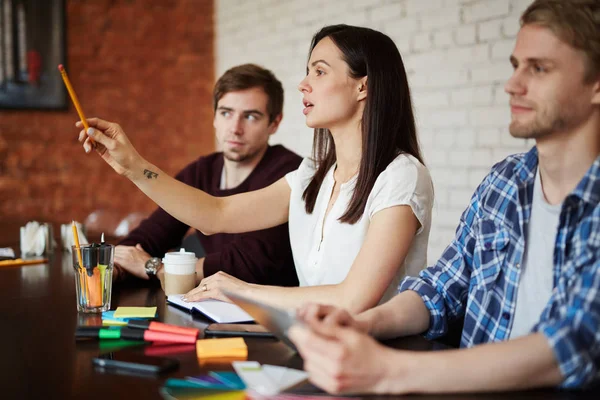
{"x":456,"y":54}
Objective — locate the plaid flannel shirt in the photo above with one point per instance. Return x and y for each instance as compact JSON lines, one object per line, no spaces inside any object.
{"x":477,"y":276}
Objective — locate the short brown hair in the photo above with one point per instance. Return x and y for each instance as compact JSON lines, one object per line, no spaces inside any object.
{"x":576,"y":22}
{"x":249,"y":76}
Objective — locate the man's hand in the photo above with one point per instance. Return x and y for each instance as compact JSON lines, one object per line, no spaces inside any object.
{"x":132,"y":259}
{"x":312,"y":313}
{"x":341,"y":359}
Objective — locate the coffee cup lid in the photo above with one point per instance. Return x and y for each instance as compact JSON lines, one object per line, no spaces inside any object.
{"x":180,"y":257}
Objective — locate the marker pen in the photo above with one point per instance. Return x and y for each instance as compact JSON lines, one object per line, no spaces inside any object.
{"x":162,"y":327}
{"x":97,"y":332}
{"x":155,"y":336}
{"x":92,"y":332}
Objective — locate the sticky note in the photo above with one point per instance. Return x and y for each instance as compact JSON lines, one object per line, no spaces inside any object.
{"x":222,"y":347}
{"x":219,"y":362}
{"x":135,"y":312}
{"x":113,"y":322}
{"x":108,"y":318}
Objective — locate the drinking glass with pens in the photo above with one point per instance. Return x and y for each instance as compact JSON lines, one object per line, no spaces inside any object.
{"x":93,"y":265}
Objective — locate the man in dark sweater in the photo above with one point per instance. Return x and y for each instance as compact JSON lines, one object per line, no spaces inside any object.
{"x":248,"y":103}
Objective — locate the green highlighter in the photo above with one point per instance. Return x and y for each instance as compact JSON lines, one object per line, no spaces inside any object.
{"x":98,"y":332}
{"x":104,"y":259}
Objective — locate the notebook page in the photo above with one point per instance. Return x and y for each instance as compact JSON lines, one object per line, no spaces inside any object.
{"x":218,"y":311}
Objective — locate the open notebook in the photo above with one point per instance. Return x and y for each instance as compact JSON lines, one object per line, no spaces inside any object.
{"x":216,"y":310}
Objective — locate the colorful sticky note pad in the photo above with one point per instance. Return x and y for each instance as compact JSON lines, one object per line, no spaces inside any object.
{"x":135,"y":312}
{"x":222,"y":347}
{"x":186,"y":393}
{"x":230,"y":378}
{"x":209,"y":382}
{"x":108,"y":319}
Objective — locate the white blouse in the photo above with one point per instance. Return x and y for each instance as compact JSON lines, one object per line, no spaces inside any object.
{"x":405,"y":181}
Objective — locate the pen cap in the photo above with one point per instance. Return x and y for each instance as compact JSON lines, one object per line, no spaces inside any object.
{"x":180,"y":262}
{"x":89,"y":256}
{"x":96,"y":254}
{"x":97,"y":333}
{"x":106,"y":254}
{"x":132,"y":334}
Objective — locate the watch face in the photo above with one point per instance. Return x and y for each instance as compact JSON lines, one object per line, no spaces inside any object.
{"x":152,"y":265}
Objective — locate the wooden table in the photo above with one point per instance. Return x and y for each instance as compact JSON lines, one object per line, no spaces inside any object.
{"x":40,"y":358}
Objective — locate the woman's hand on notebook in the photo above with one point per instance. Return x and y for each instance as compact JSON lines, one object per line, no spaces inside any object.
{"x":212,"y":287}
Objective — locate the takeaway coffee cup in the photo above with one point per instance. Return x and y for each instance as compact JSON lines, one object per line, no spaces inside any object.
{"x":180,"y":272}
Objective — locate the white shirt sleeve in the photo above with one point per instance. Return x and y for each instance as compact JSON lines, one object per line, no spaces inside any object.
{"x":405,"y":181}
{"x":300,"y":178}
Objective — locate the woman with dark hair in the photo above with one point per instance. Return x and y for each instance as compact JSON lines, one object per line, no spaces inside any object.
{"x":359,"y":210}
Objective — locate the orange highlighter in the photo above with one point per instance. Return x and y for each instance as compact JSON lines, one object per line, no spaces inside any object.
{"x":91,"y":285}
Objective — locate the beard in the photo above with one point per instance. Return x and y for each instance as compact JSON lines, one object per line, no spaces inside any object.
{"x":545,"y":122}
{"x":240,"y":156}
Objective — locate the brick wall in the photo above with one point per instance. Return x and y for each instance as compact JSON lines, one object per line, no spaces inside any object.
{"x":456,"y":54}
{"x":147,"y":65}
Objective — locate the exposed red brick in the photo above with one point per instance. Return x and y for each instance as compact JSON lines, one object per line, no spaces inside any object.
{"x":147,"y":65}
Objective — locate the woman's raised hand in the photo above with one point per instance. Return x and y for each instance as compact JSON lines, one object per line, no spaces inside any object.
{"x":109,"y":140}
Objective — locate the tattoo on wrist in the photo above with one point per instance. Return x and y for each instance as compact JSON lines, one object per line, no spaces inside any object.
{"x":149,"y":174}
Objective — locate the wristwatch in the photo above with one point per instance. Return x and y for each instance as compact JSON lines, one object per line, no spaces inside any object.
{"x":152,"y":266}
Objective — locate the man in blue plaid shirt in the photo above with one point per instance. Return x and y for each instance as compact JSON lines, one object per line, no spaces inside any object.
{"x":524,"y":268}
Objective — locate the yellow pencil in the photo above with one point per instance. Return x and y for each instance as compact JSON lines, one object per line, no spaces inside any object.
{"x":78,"y":249}
{"x":74,"y":98}
{"x":76,"y":240}
{"x":19,"y":262}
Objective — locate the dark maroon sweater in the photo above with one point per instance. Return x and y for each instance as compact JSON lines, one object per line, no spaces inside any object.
{"x":263,"y":257}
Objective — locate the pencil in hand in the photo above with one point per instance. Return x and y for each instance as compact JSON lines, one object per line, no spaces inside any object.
{"x":74,"y":98}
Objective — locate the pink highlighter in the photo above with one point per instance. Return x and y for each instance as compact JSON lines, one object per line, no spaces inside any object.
{"x":162,"y":327}
{"x":155,"y":336}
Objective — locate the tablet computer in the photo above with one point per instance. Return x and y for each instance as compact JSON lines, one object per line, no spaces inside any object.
{"x":276,"y":320}
{"x":250,"y":330}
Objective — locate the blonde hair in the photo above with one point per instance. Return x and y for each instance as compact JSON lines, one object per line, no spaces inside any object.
{"x":576,"y":22}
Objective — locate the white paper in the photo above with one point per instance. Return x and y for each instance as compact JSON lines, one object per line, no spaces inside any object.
{"x":268,"y":380}
{"x":255,"y":377}
{"x":218,"y":311}
{"x":284,"y":377}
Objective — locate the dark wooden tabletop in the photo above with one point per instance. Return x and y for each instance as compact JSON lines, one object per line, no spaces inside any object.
{"x":39,"y":357}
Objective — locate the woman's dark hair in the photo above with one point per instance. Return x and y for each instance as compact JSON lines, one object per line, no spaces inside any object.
{"x":388,"y":123}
